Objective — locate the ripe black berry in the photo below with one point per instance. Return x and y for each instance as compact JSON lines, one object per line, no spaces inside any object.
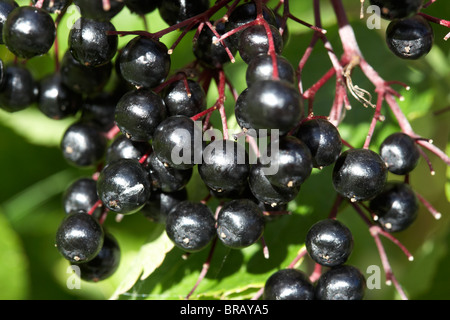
{"x":144,"y":62}
{"x":359,"y":174}
{"x":240,"y":111}
{"x":160,"y":204}
{"x":341,"y":283}
{"x":164,"y":178}
{"x":240,"y":223}
{"x":397,"y":9}
{"x":29,"y":32}
{"x":244,"y":14}
{"x":292,"y":160}
{"x":124,"y":148}
{"x":82,"y":79}
{"x":400,"y":152}
{"x":410,"y":38}
{"x":329,"y":242}
{"x":83,"y":144}
{"x":5,"y":8}
{"x":104,"y":264}
{"x":261,"y":68}
{"x":19,"y":89}
{"x":288,"y":284}
{"x":185,"y":100}
{"x":254,"y":41}
{"x":175,"y":11}
{"x":210,"y":54}
{"x":225,"y":165}
{"x":138,"y":113}
{"x":177,"y":142}
{"x":99,"y":109}
{"x":81,"y":195}
{"x":396,"y":207}
{"x":273,"y":104}
{"x":266,"y":192}
{"x":123,"y":186}
{"x":56,"y":100}
{"x":323,"y":140}
{"x":191,"y":226}
{"x":79,"y":237}
{"x":90,"y":43}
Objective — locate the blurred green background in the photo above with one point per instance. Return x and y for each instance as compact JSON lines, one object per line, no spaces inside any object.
{"x":34,"y":175}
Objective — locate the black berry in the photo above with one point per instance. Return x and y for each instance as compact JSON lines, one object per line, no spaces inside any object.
{"x":329,"y":242}
{"x":191,"y":226}
{"x":288,"y":284}
{"x":396,"y":207}
{"x":79,"y":237}
{"x":341,"y":283}
{"x":240,"y":223}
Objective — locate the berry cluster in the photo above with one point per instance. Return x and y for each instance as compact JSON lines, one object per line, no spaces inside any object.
{"x":145,"y":137}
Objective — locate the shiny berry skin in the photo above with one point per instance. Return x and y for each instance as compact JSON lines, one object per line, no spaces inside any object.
{"x":329,"y":242}
{"x":260,"y":67}
{"x":83,"y":144}
{"x":142,"y":7}
{"x":104,"y":264}
{"x":79,"y":237}
{"x":225,"y":165}
{"x":397,"y":9}
{"x":81,"y":195}
{"x":175,"y":11}
{"x":160,"y":204}
{"x":323,"y":140}
{"x":240,"y":112}
{"x":19,"y":89}
{"x":29,"y":32}
{"x":99,"y":109}
{"x":293,"y":162}
{"x":410,"y":38}
{"x":210,"y":54}
{"x":274,"y":104}
{"x":124,"y":148}
{"x":5,"y":8}
{"x":400,"y":152}
{"x":177,"y":142}
{"x":244,"y":14}
{"x":288,"y":284}
{"x":95,"y":10}
{"x":124,"y":186}
{"x":359,"y":174}
{"x":341,"y":283}
{"x":144,"y":62}
{"x":396,"y":207}
{"x":89,"y":42}
{"x":138,"y":113}
{"x":240,"y":223}
{"x":254,"y":41}
{"x":82,"y":79}
{"x":266,"y":192}
{"x":56,"y":100}
{"x":191,"y":226}
{"x":181,"y":102}
{"x":164,"y":178}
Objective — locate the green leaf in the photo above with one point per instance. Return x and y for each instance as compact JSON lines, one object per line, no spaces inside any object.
{"x":14,"y":278}
{"x":149,"y":257}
